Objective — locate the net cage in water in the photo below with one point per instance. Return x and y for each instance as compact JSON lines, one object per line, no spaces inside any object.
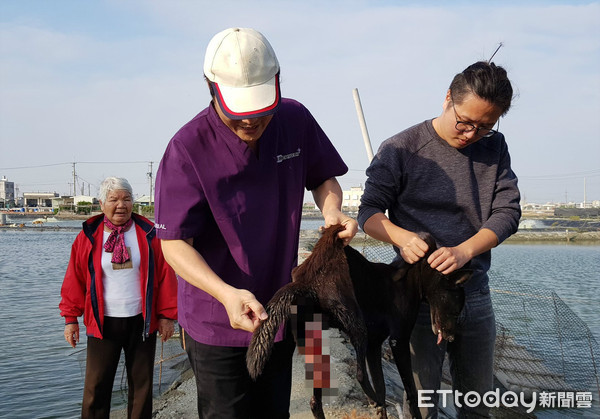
{"x":542,"y":346}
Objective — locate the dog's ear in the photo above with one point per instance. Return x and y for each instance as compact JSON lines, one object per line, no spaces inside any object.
{"x":461,"y":276}
{"x":428,"y":238}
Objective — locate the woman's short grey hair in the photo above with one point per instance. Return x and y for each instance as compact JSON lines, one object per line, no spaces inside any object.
{"x":113,"y":184}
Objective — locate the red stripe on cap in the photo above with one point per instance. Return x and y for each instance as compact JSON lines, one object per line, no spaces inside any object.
{"x":253,"y":114}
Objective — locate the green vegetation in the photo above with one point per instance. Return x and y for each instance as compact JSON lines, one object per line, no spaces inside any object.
{"x":145,"y":210}
{"x":84,"y":207}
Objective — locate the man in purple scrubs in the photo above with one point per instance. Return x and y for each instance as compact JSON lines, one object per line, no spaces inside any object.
{"x":230,"y":190}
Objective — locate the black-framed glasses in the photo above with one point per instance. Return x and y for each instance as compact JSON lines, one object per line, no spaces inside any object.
{"x":468,"y":127}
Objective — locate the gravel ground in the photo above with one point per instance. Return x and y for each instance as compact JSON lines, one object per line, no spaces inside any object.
{"x":180,"y":401}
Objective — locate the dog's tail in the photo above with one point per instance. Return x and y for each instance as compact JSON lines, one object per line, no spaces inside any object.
{"x":263,"y":339}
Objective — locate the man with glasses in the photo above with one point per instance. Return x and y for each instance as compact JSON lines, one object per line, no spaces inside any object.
{"x":451,"y":177}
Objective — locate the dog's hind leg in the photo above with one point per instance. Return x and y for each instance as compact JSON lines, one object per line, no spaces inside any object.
{"x":401,"y":350}
{"x":347,"y":314}
{"x":376,"y":372}
{"x":316,"y":403}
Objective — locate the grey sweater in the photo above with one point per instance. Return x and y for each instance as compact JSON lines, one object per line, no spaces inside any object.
{"x":429,"y":186}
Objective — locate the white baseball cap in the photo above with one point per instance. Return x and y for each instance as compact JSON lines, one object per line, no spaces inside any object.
{"x":243,"y":71}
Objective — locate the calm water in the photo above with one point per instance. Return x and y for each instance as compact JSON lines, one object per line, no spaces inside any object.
{"x":570,"y":270}
{"x":41,"y":376}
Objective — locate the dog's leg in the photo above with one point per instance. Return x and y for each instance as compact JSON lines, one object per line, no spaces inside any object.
{"x":316,"y":403}
{"x":376,"y":372}
{"x":351,"y":321}
{"x":401,"y":349}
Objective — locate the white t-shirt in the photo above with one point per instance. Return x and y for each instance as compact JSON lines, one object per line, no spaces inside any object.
{"x":122,"y":293}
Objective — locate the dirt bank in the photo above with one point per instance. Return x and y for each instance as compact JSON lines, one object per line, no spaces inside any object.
{"x":566,"y":235}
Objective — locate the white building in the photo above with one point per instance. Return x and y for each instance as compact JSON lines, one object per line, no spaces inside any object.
{"x":7,"y":193}
{"x":84,"y":198}
{"x":351,"y":198}
{"x":39,"y":199}
{"x":145,"y":200}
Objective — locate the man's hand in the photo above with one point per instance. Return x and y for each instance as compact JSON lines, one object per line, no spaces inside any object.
{"x":447,"y":259}
{"x":244,"y":310}
{"x":328,"y":197}
{"x":350,"y":225}
{"x":412,"y":247}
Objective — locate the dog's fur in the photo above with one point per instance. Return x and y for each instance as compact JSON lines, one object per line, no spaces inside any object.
{"x":324,"y":280}
{"x":348,"y":289}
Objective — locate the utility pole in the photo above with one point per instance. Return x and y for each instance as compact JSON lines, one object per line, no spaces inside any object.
{"x":74,"y":181}
{"x":150,"y":177}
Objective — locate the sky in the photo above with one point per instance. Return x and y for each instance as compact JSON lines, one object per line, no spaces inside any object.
{"x":103,"y":86}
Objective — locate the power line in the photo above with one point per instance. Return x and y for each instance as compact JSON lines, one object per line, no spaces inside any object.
{"x":74,"y":162}
{"x":34,"y":167}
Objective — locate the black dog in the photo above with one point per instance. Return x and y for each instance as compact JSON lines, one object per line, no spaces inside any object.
{"x":349,"y":289}
{"x":389,"y":297}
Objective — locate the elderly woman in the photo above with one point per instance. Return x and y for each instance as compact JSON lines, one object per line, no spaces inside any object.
{"x":119,"y":281}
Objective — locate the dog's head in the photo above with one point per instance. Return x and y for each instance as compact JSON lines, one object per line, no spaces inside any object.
{"x":446,"y":299}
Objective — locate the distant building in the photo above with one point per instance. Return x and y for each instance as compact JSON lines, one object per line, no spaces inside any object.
{"x":531,"y":207}
{"x":351,"y":198}
{"x":63,"y":201}
{"x":7,"y":193}
{"x":39,"y":199}
{"x":84,"y":198}
{"x":144,"y":200}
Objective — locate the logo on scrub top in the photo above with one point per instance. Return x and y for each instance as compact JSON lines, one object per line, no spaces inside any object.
{"x":282,"y":157}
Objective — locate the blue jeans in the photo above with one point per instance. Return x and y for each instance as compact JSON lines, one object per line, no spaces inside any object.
{"x":471,"y":355}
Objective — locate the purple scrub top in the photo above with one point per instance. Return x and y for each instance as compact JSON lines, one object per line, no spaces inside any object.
{"x":242,"y":210}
